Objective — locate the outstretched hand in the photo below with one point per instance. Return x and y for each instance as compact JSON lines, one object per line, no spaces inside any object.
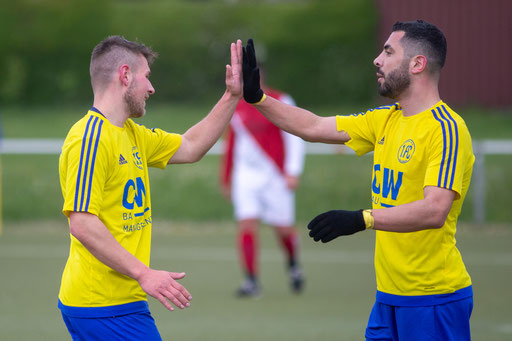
{"x":234,"y":79}
{"x":163,"y":286}
{"x":252,"y":88}
{"x":332,"y":224}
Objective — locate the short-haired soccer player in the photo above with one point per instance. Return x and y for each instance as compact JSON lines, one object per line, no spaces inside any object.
{"x":104,"y":178}
{"x":423,"y":160}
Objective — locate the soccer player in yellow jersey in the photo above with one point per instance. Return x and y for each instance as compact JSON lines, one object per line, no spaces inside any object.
{"x":104,"y":178}
{"x":423,"y":160}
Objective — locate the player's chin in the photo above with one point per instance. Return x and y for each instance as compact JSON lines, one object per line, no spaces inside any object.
{"x":142,"y":110}
{"x":138,"y":113}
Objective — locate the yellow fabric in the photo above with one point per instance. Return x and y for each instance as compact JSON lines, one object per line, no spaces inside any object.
{"x":368,"y":219}
{"x":432,"y":148}
{"x":264,"y":97}
{"x":104,"y":171}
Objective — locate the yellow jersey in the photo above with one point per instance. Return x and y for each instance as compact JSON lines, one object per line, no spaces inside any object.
{"x":104,"y":171}
{"x":432,"y":148}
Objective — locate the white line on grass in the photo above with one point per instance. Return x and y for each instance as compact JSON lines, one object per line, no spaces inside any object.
{"x":226,"y":254}
{"x":504,"y":328}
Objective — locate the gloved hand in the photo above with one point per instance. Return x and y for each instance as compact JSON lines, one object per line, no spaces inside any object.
{"x":252,"y":89}
{"x":332,"y":224}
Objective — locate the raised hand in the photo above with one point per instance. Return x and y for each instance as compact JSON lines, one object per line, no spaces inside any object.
{"x":234,"y":79}
{"x":252,"y":88}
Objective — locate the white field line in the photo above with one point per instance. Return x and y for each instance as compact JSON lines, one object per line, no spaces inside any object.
{"x":53,"y":146}
{"x":222,"y":254}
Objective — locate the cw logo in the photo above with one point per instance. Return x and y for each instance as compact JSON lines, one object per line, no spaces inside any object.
{"x":385,"y":180}
{"x":134,"y":193}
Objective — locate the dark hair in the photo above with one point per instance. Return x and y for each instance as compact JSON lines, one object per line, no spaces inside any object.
{"x":423,"y":38}
{"x":111,"y":53}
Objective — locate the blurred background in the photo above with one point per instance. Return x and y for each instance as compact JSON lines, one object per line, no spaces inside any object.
{"x":321,"y":52}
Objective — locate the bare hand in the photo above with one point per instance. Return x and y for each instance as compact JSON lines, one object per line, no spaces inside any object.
{"x":234,"y":81}
{"x":226,"y":191}
{"x":163,"y":286}
{"x":292,"y":182}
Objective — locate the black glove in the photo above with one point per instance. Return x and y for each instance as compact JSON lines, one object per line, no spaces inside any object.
{"x":332,"y":224}
{"x":252,"y":88}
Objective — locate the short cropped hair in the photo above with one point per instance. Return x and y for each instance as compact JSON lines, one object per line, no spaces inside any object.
{"x":426,"y":39}
{"x":113,"y":52}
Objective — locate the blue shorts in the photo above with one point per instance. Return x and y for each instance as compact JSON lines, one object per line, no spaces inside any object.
{"x":135,"y":326}
{"x":446,"y":322}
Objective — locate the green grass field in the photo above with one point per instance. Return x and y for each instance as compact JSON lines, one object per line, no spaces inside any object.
{"x":335,"y":305}
{"x":193,"y":232}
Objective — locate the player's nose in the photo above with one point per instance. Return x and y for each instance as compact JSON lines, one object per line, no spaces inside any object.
{"x":376,"y":62}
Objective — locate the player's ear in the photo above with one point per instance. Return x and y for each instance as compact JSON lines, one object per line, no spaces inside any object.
{"x":125,"y":74}
{"x":418,"y":64}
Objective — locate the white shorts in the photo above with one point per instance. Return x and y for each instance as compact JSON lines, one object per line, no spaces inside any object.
{"x":268,"y":200}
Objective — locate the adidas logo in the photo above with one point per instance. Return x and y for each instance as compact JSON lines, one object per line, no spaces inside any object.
{"x":122,"y":160}
{"x":382,"y":140}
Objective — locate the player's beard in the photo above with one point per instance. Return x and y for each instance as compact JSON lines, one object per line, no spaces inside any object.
{"x":396,"y":82}
{"x":134,"y":106}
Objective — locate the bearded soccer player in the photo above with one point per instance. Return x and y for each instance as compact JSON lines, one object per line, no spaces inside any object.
{"x":423,"y":160}
{"x":104,"y":178}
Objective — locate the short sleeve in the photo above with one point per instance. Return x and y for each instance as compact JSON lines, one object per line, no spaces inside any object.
{"x":160,"y":146}
{"x":450,"y":156}
{"x":83,"y":168}
{"x":361,"y":130}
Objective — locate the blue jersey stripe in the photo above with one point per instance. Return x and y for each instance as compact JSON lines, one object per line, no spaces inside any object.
{"x":456,"y":152}
{"x":75,"y":208}
{"x":444,"y":149}
{"x":92,"y":165}
{"x":449,"y":146}
{"x":86,"y":168}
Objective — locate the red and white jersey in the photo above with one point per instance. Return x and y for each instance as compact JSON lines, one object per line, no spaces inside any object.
{"x":255,"y":149}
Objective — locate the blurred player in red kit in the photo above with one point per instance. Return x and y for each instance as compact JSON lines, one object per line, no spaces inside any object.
{"x":260,"y":172}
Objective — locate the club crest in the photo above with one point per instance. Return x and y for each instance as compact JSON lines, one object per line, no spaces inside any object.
{"x":406,"y":151}
{"x":136,"y":158}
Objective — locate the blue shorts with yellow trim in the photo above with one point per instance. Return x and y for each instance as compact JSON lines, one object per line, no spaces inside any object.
{"x":131,"y":321}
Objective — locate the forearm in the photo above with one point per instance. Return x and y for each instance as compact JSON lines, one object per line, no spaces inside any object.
{"x":292,"y":119}
{"x":98,"y":240}
{"x":415,"y":216}
{"x":202,"y":136}
{"x":301,"y":122}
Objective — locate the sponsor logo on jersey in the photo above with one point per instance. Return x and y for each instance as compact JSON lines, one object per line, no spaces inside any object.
{"x":136,"y":157}
{"x":122,"y":160}
{"x":134,"y":194}
{"x":386,"y":181}
{"x":382,"y":140}
{"x":406,"y":151}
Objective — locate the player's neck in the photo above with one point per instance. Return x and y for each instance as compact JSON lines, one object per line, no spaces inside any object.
{"x":417,"y":99}
{"x":113,"y":111}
